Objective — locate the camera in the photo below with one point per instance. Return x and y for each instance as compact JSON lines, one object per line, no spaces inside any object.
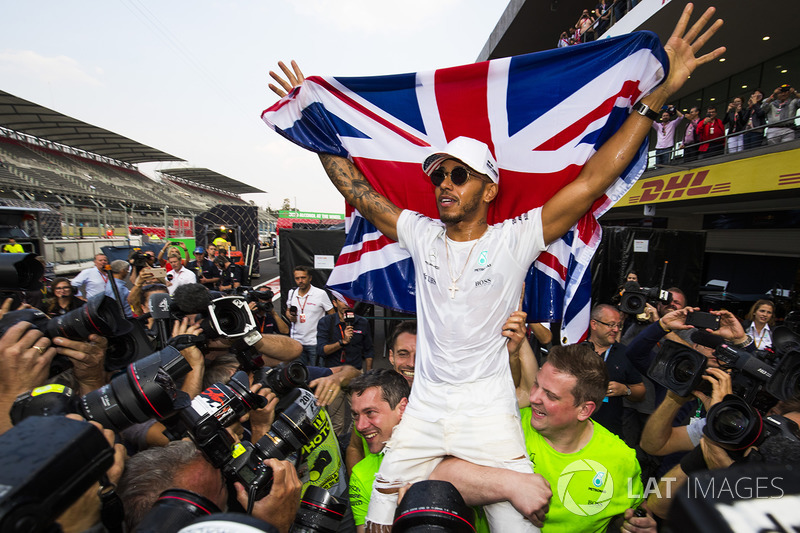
{"x":101,"y":315}
{"x":319,"y":512}
{"x":146,"y":390}
{"x":760,"y":378}
{"x":262,"y":299}
{"x":736,"y":425}
{"x":433,"y":506}
{"x":680,"y":369}
{"x":634,"y":299}
{"x":174,"y":509}
{"x":46,"y":464}
{"x":282,"y":378}
{"x":139,"y":260}
{"x":19,"y":273}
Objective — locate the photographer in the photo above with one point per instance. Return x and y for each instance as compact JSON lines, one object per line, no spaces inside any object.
{"x":230,"y":275}
{"x":268,"y":320}
{"x":344,"y":338}
{"x":780,"y":108}
{"x":181,"y":465}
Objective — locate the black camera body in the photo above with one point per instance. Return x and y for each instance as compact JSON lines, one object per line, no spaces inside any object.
{"x":679,"y":369}
{"x":634,"y":299}
{"x":46,"y":464}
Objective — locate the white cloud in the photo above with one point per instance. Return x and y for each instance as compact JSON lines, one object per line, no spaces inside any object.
{"x":30,"y":65}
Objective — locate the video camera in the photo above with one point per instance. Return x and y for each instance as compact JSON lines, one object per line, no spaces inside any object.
{"x":262,"y":299}
{"x":634,"y":299}
{"x":759,"y":378}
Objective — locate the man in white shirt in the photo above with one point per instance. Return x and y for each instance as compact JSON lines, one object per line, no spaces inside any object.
{"x":93,"y":280}
{"x":469,"y":276}
{"x":305,"y":305}
{"x":178,"y":275}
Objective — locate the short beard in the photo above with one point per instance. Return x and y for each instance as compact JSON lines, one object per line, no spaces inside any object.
{"x":470,"y":207}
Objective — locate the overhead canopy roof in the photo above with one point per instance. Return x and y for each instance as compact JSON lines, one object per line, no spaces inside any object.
{"x":209,"y":178}
{"x":26,"y":117}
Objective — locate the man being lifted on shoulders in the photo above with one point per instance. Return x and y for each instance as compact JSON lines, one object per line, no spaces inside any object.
{"x":469,"y":276}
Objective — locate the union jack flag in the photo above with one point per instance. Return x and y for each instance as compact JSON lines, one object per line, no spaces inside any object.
{"x":543,"y":115}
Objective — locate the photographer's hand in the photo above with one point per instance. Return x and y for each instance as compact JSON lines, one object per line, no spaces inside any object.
{"x":729,"y":327}
{"x":193,"y":383}
{"x":715,"y":456}
{"x":25,"y":356}
{"x":87,"y":360}
{"x":721,"y":385}
{"x":639,"y":524}
{"x":676,"y":320}
{"x":279,"y":506}
{"x":85,"y":512}
{"x":261,"y":419}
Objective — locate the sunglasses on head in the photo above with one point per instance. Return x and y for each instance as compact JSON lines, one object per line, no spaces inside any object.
{"x":458,"y":175}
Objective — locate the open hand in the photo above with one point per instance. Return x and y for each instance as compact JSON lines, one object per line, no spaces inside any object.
{"x":294,"y":78}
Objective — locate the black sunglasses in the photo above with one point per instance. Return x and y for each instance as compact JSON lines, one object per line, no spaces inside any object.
{"x":458,"y":175}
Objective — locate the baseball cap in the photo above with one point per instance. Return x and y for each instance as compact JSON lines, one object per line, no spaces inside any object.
{"x":471,"y":152}
{"x":199,"y":250}
{"x":785,"y":87}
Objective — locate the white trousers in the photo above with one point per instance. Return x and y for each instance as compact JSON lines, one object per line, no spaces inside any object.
{"x":417,"y":446}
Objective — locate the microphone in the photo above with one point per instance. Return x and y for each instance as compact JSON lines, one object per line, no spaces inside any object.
{"x":191,"y":299}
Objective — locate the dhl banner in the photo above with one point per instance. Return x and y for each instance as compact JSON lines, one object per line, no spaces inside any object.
{"x":770,"y":172}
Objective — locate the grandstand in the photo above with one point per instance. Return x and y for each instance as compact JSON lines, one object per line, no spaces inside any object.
{"x":89,"y":175}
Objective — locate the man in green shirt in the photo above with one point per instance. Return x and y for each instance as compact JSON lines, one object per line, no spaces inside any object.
{"x":594,"y":475}
{"x":378,"y":400}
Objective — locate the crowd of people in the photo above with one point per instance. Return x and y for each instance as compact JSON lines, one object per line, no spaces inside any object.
{"x":761,"y":121}
{"x":565,"y":443}
{"x":595,"y":22}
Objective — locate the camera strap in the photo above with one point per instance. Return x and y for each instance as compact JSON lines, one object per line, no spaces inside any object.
{"x":112,"y":512}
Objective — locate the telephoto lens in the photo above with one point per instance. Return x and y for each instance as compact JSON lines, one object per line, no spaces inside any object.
{"x":146,"y":390}
{"x":433,"y":506}
{"x":100,"y":315}
{"x":293,"y":427}
{"x":733,"y":424}
{"x":174,"y":509}
{"x":319,"y":512}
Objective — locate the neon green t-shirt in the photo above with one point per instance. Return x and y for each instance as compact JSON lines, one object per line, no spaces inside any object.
{"x":361,"y":480}
{"x":589,"y":487}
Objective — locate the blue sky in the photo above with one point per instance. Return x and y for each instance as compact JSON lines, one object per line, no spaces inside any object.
{"x":190,"y":78}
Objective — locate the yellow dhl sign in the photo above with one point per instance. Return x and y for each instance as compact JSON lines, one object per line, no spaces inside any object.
{"x":772,"y":172}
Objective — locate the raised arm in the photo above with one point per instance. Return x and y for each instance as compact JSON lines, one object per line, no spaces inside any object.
{"x":344,"y":175}
{"x":575,"y":199}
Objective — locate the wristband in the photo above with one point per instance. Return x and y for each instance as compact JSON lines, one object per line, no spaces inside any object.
{"x":645,"y":111}
{"x":341,"y":344}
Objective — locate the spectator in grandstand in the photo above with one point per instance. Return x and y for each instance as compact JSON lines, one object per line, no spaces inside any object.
{"x":690,"y":137}
{"x":761,"y":317}
{"x":63,"y":300}
{"x":781,"y":108}
{"x":603,"y":14}
{"x":13,"y":247}
{"x":230,"y":275}
{"x":753,"y":119}
{"x":179,"y":275}
{"x":207,"y":273}
{"x":119,"y":271}
{"x":734,"y":119}
{"x":93,"y":280}
{"x":563,"y":40}
{"x":665,"y":134}
{"x":710,"y":129}
{"x":585,"y":27}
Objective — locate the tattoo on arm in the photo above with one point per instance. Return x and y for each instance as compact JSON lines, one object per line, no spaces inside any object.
{"x":358,"y":192}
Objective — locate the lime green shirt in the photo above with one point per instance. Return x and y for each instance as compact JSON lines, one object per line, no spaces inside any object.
{"x":590,"y":486}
